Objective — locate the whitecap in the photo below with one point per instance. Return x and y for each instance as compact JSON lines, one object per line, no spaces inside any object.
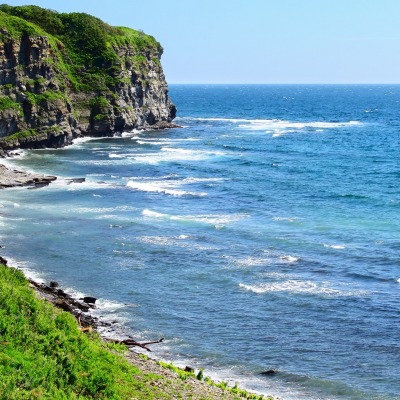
{"x":289,"y":259}
{"x":286,"y":219}
{"x":278,"y":127}
{"x":113,"y":155}
{"x":252,"y":261}
{"x":83,"y":139}
{"x":335,"y":246}
{"x":210,"y":219}
{"x":168,"y":187}
{"x":301,"y":287}
{"x":130,"y":134}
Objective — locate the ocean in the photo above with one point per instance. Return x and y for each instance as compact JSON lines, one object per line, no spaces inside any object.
{"x":263,"y":234}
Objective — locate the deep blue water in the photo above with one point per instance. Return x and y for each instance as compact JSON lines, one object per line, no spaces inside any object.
{"x":263,"y":234}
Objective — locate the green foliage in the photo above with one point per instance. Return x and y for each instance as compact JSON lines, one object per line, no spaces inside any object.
{"x":47,"y":19}
{"x":200,"y":375}
{"x":18,"y":27}
{"x":20,"y":135}
{"x":7,"y":103}
{"x":48,"y":96}
{"x":44,"y":355}
{"x":180,"y":372}
{"x":85,"y":47}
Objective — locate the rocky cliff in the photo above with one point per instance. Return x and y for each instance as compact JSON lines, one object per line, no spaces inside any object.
{"x":66,"y":75}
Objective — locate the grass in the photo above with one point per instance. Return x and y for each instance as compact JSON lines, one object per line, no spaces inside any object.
{"x":6,"y":103}
{"x":44,"y":355}
{"x":86,"y":48}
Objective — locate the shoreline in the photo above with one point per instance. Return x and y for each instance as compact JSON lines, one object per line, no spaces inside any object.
{"x":196,"y":386}
{"x":52,"y":293}
{"x":10,"y":178}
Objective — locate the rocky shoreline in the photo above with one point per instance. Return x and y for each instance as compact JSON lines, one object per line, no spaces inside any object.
{"x":182,"y":381}
{"x":13,"y":178}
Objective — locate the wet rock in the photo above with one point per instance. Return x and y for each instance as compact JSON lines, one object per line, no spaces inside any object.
{"x":75,"y":180}
{"x":13,"y":178}
{"x":60,"y":303}
{"x":89,"y":299}
{"x":3,"y":261}
{"x":268,"y":372}
{"x":53,"y":284}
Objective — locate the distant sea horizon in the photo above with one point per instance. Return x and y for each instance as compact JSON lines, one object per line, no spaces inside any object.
{"x":262,"y":235}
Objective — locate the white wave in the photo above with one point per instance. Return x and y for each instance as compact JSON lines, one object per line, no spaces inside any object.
{"x":252,"y":261}
{"x":286,"y":219}
{"x":27,"y":269}
{"x":166,"y":187}
{"x":196,"y":180}
{"x":84,"y":139}
{"x":211,"y":219}
{"x":335,"y":246}
{"x":162,"y":241}
{"x":109,"y":305}
{"x":271,"y":124}
{"x":121,"y":161}
{"x":114,"y":155}
{"x":130,"y":134}
{"x":398,"y":280}
{"x":102,"y":209}
{"x":289,"y":259}
{"x":301,"y":287}
{"x":278,"y":127}
{"x":70,"y":186}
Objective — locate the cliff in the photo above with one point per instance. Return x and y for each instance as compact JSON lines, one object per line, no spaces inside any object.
{"x":67,"y":75}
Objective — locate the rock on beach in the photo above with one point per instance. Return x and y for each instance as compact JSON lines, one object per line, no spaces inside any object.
{"x":13,"y":178}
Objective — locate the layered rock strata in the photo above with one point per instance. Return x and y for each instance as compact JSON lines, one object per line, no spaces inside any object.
{"x":55,"y":87}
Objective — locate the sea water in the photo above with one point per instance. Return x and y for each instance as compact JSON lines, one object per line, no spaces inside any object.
{"x":263,"y":234}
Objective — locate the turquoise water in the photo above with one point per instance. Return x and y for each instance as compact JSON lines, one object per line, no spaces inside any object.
{"x":264,"y":234}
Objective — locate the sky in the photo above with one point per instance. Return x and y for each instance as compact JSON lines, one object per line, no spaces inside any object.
{"x":261,"y":41}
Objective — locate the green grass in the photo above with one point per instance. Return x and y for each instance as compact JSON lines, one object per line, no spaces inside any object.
{"x":44,"y":355}
{"x":6,"y":103}
{"x":86,"y":48}
{"x":48,"y":96}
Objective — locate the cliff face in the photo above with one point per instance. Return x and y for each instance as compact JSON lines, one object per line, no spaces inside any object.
{"x":78,"y":80}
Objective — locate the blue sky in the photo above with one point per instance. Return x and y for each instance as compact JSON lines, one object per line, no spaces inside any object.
{"x":261,"y":41}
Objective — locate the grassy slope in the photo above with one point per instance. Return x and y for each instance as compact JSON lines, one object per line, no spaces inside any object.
{"x":44,"y":355}
{"x":86,"y":48}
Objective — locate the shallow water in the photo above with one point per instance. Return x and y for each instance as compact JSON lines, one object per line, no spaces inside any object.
{"x":264,"y":234}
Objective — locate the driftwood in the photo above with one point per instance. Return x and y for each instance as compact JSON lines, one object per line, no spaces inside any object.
{"x":131,"y":342}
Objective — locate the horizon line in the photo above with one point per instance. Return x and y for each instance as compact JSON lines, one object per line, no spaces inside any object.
{"x":275,"y":83}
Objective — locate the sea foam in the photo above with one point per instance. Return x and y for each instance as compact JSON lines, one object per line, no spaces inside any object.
{"x":165,"y":187}
{"x":294,"y":286}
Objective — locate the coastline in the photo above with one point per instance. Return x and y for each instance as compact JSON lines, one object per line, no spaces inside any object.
{"x":207,"y":388}
{"x":14,"y":178}
{"x":188,"y":382}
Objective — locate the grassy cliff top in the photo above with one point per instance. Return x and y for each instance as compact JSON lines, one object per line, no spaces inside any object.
{"x":85,"y":44}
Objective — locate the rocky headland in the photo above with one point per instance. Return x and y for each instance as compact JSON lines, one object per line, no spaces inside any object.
{"x":64,"y":76}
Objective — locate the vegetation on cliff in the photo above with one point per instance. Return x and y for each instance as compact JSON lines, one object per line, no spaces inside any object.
{"x":85,"y":45}
{"x":54,"y":65}
{"x":44,"y":355}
